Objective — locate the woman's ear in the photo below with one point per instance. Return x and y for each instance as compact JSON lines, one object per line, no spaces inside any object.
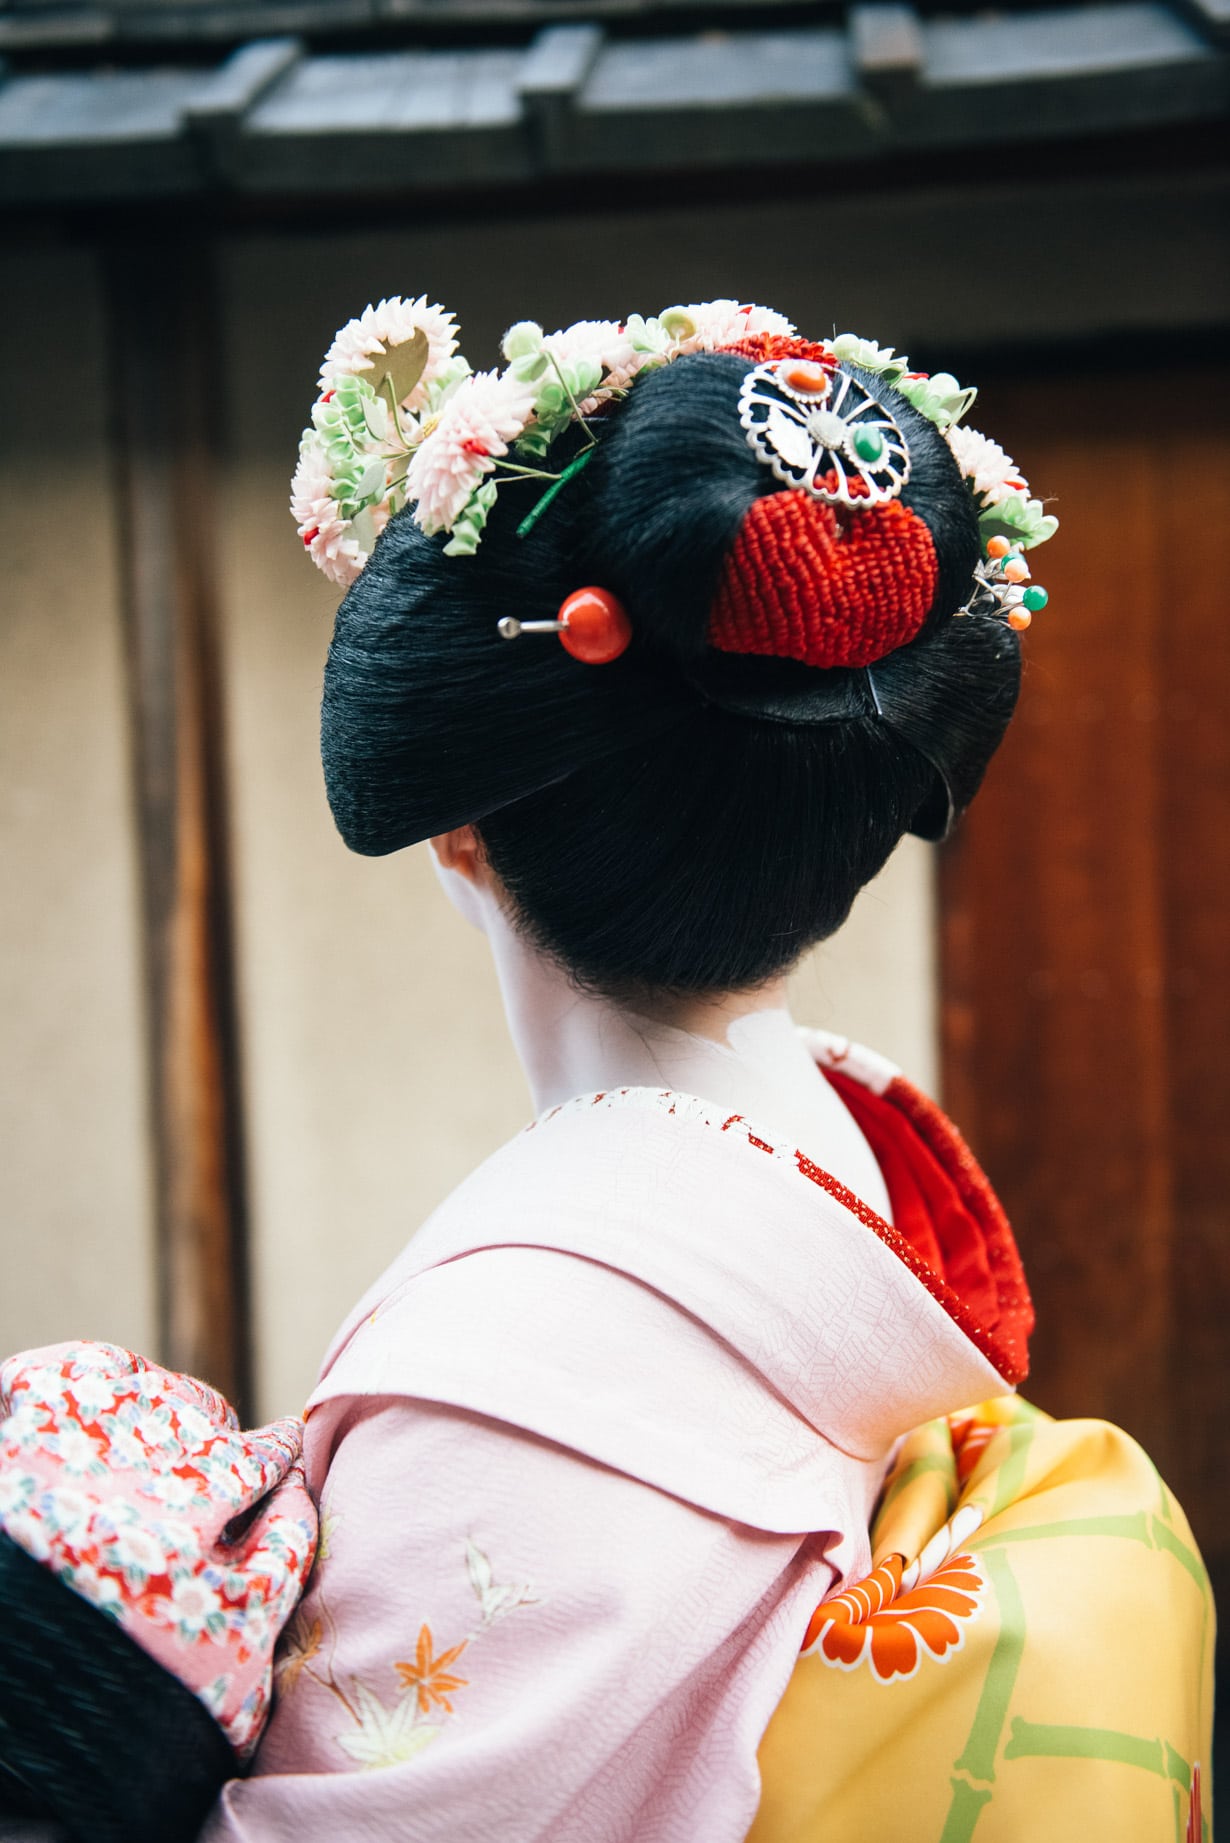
{"x":461,"y":850}
{"x":463,"y":873}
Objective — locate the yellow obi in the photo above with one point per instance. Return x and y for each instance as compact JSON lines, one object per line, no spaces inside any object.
{"x":1031,"y":1656}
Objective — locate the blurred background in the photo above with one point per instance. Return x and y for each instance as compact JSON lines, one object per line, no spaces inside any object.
{"x":239,"y":1066}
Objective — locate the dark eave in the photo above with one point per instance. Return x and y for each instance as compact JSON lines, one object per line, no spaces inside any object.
{"x":276,"y":117}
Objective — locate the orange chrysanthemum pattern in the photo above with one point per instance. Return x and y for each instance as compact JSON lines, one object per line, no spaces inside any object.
{"x":875,"y":1622}
{"x":970,"y":1439}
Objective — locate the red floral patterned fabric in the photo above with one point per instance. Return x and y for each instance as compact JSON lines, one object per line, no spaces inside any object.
{"x":137,"y":1487}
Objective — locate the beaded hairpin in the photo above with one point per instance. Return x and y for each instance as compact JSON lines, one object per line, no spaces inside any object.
{"x":999,"y":586}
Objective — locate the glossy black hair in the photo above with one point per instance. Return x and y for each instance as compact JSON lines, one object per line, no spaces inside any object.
{"x":679,"y":820}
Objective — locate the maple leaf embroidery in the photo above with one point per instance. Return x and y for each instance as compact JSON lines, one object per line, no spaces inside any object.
{"x":301,"y":1643}
{"x":329,"y":1520}
{"x":385,"y":1737}
{"x":495,"y":1600}
{"x":429,"y":1676}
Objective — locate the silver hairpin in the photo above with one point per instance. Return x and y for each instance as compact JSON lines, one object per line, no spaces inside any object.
{"x":824,"y":433}
{"x":510,"y":627}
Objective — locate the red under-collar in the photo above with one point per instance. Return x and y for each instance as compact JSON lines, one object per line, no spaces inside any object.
{"x":948,"y":1225}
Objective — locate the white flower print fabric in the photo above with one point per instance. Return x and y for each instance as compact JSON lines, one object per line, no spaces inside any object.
{"x":137,"y":1487}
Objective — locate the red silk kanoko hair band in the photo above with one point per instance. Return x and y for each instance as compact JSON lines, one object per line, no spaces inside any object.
{"x":835,"y":570}
{"x":805,"y":582}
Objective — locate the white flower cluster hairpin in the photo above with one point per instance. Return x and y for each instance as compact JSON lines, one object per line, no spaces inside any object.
{"x":402,"y":420}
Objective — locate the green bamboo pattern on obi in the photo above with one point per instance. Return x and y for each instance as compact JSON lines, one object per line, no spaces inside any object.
{"x":977,"y":1759}
{"x":1011,"y":1482}
{"x":1137,"y":1526}
{"x":1132,"y":1527}
{"x":1061,"y":1741}
{"x":1165,"y":1538}
{"x":942,"y":1463}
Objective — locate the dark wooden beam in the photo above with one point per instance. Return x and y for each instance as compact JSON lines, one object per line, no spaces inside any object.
{"x":886,"y":43}
{"x":164,"y":380}
{"x":555,"y":67}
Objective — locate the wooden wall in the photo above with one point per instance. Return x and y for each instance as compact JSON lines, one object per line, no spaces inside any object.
{"x":1086,"y":1004}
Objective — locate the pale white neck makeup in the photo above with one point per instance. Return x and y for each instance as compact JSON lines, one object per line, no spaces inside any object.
{"x":571,"y":1042}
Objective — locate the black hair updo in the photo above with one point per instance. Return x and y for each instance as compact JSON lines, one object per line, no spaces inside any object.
{"x":680,"y":820}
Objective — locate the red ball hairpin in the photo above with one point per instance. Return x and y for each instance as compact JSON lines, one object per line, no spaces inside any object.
{"x":592,"y":624}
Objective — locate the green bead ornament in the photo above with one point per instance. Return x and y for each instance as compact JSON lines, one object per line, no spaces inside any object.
{"x":1035,"y":598}
{"x":868,"y":444}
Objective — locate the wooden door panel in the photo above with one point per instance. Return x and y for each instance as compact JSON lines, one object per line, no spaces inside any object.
{"x":1086,"y":1005}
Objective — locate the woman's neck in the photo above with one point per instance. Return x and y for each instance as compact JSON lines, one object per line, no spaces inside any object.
{"x":573,"y":1042}
{"x":741,"y":1052}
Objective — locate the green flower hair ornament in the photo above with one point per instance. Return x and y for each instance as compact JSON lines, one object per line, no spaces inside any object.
{"x":402,"y":420}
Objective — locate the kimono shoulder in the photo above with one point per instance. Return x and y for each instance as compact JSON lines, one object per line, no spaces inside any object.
{"x":637,"y":1270}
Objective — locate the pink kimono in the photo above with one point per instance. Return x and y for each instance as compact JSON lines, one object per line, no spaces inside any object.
{"x":591,"y":1452}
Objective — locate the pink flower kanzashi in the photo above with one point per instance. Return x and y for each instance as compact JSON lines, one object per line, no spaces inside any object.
{"x":992,"y":473}
{"x":488,"y":410}
{"x":391,"y":323}
{"x":326,"y":534}
{"x":602,"y":340}
{"x":607,"y":344}
{"x":721,"y":323}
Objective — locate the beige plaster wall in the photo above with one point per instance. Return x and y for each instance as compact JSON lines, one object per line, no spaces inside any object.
{"x":377,"y":1067}
{"x":375,"y":1064}
{"x":876,"y":980}
{"x":75,"y":1248}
